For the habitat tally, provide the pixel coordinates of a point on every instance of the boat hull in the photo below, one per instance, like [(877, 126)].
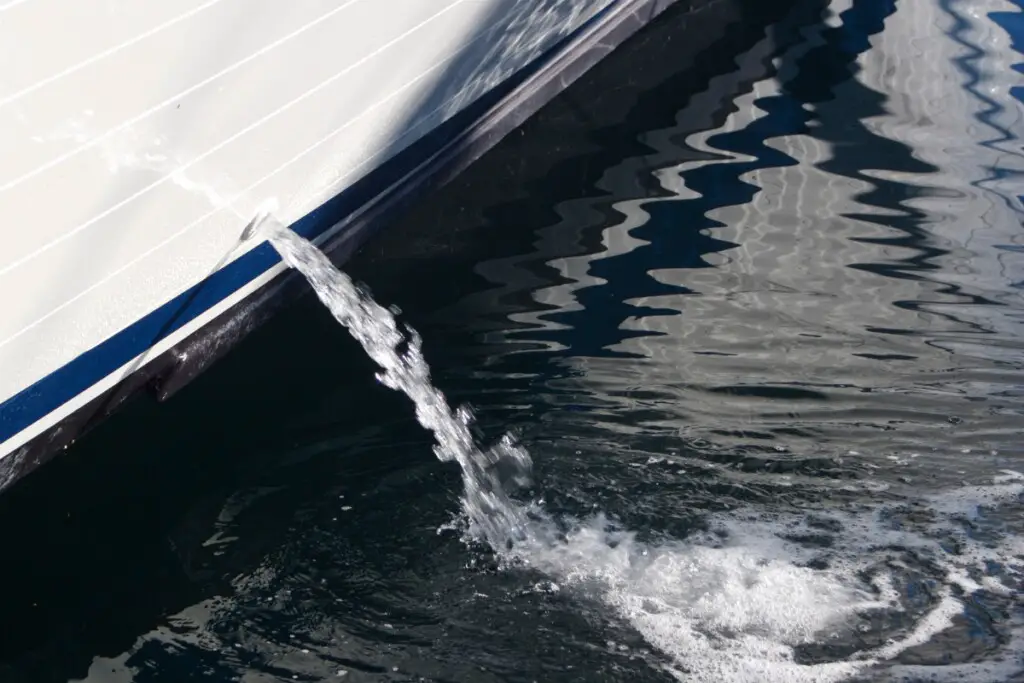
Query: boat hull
[(141, 278)]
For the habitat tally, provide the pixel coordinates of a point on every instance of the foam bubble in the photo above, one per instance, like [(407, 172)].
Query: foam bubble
[(736, 604), (726, 608), (728, 611)]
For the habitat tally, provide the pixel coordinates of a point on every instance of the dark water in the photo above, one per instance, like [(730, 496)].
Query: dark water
[(752, 291)]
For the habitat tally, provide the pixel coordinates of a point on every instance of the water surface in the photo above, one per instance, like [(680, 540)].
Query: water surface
[(750, 294)]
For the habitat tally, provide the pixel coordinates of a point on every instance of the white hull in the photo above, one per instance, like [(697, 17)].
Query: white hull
[(140, 138)]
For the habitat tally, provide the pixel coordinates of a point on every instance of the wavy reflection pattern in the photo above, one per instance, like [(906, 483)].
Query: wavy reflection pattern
[(841, 234)]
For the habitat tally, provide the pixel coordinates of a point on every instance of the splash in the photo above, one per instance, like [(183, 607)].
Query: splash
[(756, 597)]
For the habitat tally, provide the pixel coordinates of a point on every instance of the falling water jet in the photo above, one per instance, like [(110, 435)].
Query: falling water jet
[(492, 515)]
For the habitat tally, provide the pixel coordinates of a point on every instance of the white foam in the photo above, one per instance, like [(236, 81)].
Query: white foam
[(734, 604), (729, 610)]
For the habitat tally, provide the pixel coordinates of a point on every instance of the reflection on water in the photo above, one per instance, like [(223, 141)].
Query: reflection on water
[(761, 284), (847, 246)]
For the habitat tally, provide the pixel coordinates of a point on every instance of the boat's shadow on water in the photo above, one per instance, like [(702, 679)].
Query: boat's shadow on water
[(103, 533)]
